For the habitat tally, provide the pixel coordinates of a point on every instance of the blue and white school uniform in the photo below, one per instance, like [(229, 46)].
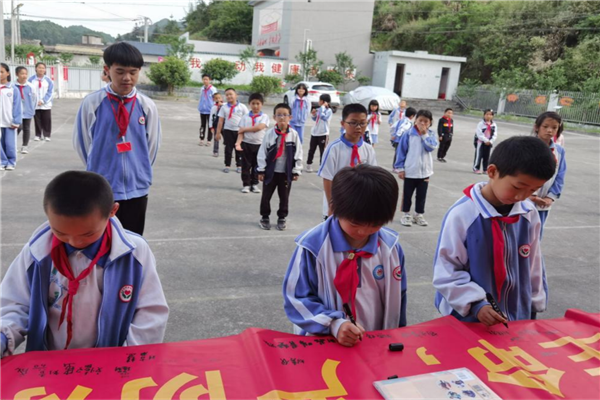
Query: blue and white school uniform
[(311, 300), (374, 120), (396, 115), (11, 114), (463, 267), (413, 155), (28, 99), (206, 99), (338, 155), (300, 112), (553, 187), (44, 91), (96, 135), (321, 118), (399, 128), (33, 291)]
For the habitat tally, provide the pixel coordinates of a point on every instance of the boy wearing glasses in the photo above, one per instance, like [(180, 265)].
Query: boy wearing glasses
[(279, 163), (349, 150)]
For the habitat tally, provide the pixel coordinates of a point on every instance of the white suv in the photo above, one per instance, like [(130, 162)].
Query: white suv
[(315, 90)]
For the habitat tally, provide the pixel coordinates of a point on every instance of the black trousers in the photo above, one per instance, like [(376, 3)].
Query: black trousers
[(43, 123), (482, 156), (395, 146), (317, 141), (283, 187), (132, 214), (204, 126), (230, 137), (410, 185), (444, 146), (249, 164), (26, 128)]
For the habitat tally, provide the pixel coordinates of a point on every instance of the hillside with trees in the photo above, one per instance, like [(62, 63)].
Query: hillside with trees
[(51, 34)]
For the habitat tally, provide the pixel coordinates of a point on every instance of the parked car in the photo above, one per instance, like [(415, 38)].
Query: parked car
[(387, 99), (315, 89)]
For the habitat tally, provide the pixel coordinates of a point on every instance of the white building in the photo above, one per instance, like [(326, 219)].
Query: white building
[(417, 75)]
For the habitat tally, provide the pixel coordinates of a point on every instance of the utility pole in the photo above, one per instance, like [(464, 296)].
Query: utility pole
[(19, 24), (2, 51), (12, 31), (147, 21)]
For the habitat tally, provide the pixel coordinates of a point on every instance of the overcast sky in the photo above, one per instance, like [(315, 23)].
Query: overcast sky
[(109, 16)]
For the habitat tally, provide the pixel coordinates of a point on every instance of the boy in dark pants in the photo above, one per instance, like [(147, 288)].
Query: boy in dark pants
[(29, 102), (445, 131), (279, 163), (230, 116), (250, 136), (319, 135)]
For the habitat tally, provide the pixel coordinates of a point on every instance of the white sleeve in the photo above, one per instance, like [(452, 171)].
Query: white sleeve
[(298, 156), (210, 118), (153, 129), (372, 157), (261, 157), (222, 113), (14, 301), (537, 272), (150, 319), (481, 133), (328, 168)]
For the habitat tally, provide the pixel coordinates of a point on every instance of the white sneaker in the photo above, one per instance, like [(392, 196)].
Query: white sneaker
[(246, 189), (48, 139), (37, 139), (419, 220), (406, 220), (24, 150), (2, 167), (10, 167), (255, 189), (309, 168)]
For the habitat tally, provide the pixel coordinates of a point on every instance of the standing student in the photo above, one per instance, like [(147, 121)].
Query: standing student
[(548, 126), (486, 134), (28, 102), (445, 131), (400, 128), (213, 121), (300, 110), (230, 116), (374, 118), (279, 163), (349, 150), (397, 113), (253, 127), (204, 106), (319, 136), (117, 134), (414, 165), (44, 92), (10, 119)]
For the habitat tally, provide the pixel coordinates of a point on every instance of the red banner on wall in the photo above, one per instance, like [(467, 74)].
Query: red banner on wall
[(550, 359)]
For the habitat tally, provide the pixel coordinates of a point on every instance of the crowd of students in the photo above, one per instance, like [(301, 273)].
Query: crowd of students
[(347, 275)]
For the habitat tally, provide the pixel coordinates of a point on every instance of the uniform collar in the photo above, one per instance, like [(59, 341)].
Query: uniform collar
[(128, 96), (488, 211), (350, 144), (340, 244)]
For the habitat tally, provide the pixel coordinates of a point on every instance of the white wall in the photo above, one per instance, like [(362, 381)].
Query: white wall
[(380, 68), (243, 77)]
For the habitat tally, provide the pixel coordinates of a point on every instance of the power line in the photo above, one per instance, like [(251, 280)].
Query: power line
[(80, 19)]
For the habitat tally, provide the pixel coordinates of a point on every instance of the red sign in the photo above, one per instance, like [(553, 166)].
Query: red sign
[(276, 68), (66, 73), (195, 63), (240, 66), (549, 359), (272, 27)]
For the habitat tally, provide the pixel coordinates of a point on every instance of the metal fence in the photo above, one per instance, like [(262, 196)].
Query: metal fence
[(577, 107), (82, 79)]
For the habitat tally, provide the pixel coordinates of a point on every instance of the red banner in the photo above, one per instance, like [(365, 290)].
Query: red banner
[(550, 359)]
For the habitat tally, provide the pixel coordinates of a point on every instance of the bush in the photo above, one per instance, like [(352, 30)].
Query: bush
[(265, 85), (292, 79), (220, 70), (172, 72), (94, 60), (333, 77), (363, 80)]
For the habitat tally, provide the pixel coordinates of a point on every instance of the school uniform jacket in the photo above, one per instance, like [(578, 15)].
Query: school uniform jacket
[(311, 300), (483, 136), (321, 119), (553, 187), (300, 111), (399, 128), (44, 91), (268, 151), (445, 128), (95, 138), (11, 112), (105, 312), (206, 99), (463, 268), (373, 126), (413, 155), (28, 99), (396, 114)]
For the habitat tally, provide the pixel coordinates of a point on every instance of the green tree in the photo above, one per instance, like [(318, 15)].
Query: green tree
[(309, 62), (344, 65), (266, 85), (220, 70), (66, 58), (250, 57), (225, 21), (22, 50), (172, 73), (94, 60), (363, 80), (292, 78), (177, 47), (333, 77)]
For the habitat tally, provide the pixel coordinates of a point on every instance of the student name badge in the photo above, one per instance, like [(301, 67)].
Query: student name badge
[(123, 147)]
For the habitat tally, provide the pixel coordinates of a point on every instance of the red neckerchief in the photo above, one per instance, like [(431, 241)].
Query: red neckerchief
[(401, 112), (355, 156), (231, 109), (40, 82), (254, 117), (4, 87), (373, 120), (346, 277), (449, 121), (122, 116), (498, 245), (488, 128), (301, 100), (21, 90), (282, 144), (206, 90), (62, 264)]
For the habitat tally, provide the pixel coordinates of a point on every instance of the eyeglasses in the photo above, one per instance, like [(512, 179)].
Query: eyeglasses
[(355, 124), (282, 115)]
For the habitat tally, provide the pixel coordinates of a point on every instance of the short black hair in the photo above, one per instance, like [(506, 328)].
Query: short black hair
[(19, 69), (215, 94), (524, 155), (354, 108), (373, 103), (230, 88), (364, 194), (410, 112), (123, 54), (7, 69), (206, 76), (488, 110), (282, 105), (448, 109), (79, 193), (302, 85), (325, 97), (426, 114), (40, 63), (256, 96), (542, 117)]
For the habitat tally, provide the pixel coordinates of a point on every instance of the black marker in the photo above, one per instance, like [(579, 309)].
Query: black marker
[(494, 305), (348, 312)]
